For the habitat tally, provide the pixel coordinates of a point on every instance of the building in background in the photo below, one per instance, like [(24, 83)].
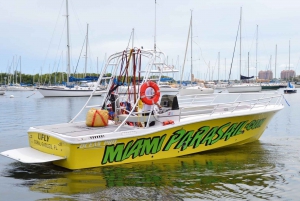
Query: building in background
[(266, 75), (287, 74)]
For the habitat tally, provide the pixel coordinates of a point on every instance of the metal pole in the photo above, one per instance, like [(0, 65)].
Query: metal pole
[(191, 47), (155, 30), (20, 71), (256, 49), (275, 59), (240, 43), (248, 64), (219, 67), (86, 48), (68, 42)]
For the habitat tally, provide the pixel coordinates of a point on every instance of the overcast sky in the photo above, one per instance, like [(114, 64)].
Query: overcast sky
[(35, 30)]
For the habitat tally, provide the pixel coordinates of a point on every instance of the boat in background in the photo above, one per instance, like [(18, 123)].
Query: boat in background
[(199, 88), (127, 133), (18, 87), (71, 90), (290, 89), (2, 90), (83, 89), (243, 88), (190, 90), (270, 86)]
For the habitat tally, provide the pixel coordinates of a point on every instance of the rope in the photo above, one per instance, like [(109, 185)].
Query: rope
[(94, 118), (30, 95), (285, 100)]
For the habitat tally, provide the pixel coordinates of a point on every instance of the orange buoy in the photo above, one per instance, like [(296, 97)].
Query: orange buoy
[(156, 96)]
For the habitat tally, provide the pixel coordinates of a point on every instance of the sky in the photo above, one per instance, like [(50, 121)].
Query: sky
[(34, 32)]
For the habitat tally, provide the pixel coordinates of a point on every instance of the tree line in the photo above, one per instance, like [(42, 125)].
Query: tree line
[(55, 78)]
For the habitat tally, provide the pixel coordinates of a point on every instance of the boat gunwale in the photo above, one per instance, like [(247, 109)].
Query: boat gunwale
[(150, 130)]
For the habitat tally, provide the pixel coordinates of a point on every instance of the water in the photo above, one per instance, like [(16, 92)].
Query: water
[(268, 169)]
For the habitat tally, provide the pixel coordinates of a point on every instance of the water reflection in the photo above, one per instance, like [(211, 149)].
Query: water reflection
[(238, 171)]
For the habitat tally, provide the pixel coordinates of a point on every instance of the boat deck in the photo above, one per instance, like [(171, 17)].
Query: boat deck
[(202, 107), (77, 129)]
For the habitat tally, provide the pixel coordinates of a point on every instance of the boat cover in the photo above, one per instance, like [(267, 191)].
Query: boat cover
[(30, 155)]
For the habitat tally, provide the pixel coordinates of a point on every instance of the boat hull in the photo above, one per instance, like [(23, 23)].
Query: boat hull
[(195, 90), (68, 92), (170, 141), (244, 88), (290, 91), (270, 87)]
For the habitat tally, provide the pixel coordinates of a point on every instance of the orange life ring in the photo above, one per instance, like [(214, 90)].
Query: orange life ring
[(156, 96)]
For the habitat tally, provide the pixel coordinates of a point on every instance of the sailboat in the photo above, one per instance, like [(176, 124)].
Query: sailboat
[(17, 86), (85, 89), (290, 89), (248, 87), (2, 90), (192, 89)]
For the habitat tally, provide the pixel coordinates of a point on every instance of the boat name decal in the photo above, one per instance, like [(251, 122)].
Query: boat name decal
[(180, 139), (43, 144), (96, 144), (43, 137), (42, 140)]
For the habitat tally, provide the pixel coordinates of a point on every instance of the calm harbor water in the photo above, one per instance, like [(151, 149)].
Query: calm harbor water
[(268, 169)]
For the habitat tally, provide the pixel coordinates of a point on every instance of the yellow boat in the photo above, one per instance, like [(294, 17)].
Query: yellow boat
[(199, 170), (185, 125)]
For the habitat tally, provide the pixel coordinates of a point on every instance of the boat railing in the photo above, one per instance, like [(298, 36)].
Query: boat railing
[(213, 107)]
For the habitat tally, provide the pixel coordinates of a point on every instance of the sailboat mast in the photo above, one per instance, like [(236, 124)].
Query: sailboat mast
[(155, 29), (219, 67), (275, 59), (68, 42), (20, 70), (191, 46), (187, 42), (289, 55), (248, 65), (256, 49), (132, 38), (289, 58), (225, 70), (240, 43), (86, 48)]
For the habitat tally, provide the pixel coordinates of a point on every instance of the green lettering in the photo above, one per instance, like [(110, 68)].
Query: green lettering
[(113, 153), (185, 141), (220, 133), (152, 145), (127, 149), (177, 135), (239, 130), (207, 139), (228, 133), (261, 121), (135, 149), (196, 139)]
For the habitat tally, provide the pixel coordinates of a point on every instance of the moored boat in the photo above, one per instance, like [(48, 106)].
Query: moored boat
[(290, 89), (243, 88), (2, 91), (184, 125)]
